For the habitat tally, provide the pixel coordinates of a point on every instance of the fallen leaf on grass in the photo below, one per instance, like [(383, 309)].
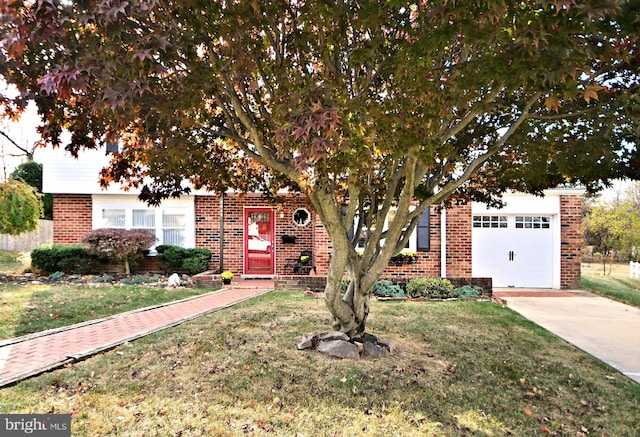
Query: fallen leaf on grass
[(547, 430), (528, 411)]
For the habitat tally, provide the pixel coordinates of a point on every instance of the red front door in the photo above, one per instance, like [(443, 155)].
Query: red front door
[(258, 241)]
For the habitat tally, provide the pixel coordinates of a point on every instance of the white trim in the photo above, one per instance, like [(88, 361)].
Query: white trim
[(443, 243)]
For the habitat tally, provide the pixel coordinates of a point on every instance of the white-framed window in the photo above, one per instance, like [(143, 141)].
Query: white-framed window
[(490, 221), (533, 222), (419, 241), (172, 222)]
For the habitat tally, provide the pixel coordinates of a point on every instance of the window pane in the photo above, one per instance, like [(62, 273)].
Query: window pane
[(113, 218), (144, 218), (423, 243), (173, 220), (173, 236), (173, 228)]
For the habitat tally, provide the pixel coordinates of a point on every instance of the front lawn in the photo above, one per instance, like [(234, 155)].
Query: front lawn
[(34, 307), (10, 261), (461, 368), (612, 282)]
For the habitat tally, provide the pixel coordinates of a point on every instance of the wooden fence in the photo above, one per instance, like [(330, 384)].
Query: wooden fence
[(28, 241)]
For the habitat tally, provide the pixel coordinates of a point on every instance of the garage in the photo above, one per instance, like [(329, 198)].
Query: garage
[(514, 250), (519, 244)]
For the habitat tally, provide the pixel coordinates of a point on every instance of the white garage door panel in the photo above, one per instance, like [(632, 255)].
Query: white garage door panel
[(516, 251)]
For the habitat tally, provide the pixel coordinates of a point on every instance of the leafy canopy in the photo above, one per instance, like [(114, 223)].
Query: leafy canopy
[(343, 92)]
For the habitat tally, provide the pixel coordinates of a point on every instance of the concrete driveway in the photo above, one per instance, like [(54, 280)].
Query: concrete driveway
[(608, 330)]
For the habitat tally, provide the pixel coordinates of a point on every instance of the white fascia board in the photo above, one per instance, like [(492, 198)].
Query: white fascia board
[(519, 203)]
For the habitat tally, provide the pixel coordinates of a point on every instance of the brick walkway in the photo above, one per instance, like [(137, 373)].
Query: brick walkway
[(33, 354)]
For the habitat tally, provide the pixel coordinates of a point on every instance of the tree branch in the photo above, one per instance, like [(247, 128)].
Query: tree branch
[(451, 186)]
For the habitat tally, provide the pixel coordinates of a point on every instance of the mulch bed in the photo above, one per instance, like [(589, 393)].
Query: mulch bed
[(94, 280)]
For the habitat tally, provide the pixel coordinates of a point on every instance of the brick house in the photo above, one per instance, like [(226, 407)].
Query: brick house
[(532, 242)]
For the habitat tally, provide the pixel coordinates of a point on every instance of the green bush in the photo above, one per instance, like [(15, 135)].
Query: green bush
[(469, 292), (385, 288), (67, 259), (436, 288), (179, 259)]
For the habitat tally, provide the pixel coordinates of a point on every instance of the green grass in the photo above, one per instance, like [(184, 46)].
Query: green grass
[(25, 309), (461, 368), (10, 261), (614, 283)]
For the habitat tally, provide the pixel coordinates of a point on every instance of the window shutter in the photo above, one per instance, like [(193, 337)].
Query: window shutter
[(423, 234)]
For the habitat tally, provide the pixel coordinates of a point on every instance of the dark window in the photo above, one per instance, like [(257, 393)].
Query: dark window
[(112, 147), (423, 234)]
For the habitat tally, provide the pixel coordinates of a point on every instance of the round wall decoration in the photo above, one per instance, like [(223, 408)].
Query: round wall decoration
[(301, 216)]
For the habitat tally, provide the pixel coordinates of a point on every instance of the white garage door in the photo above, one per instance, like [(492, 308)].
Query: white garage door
[(514, 250)]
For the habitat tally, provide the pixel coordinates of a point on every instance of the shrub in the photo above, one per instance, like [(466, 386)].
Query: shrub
[(469, 292), (119, 245), (136, 280), (178, 258), (67, 259), (386, 288), (436, 288)]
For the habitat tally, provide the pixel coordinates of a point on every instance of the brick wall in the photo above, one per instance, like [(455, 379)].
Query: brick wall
[(207, 223), (71, 218), (570, 241), (427, 263), (207, 217), (459, 241)]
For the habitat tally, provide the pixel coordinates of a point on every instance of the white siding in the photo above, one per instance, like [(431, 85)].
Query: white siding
[(62, 174)]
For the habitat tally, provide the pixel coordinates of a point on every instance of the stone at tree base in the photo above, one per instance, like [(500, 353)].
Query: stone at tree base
[(333, 335), (388, 344), (372, 350), (339, 349), (308, 341)]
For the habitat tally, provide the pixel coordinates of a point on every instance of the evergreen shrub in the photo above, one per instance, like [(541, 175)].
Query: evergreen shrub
[(180, 259), (435, 288), (67, 259)]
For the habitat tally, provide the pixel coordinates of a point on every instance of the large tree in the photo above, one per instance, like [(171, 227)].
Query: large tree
[(366, 107)]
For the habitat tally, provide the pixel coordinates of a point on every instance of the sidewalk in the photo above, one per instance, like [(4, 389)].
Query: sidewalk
[(33, 354), (606, 329)]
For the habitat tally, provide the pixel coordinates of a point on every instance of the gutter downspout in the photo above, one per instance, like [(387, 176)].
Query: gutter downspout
[(443, 243), (221, 215)]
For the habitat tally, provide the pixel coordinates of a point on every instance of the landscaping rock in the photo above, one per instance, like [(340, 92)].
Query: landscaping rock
[(372, 350), (339, 349), (308, 341), (389, 345), (333, 335), (174, 281), (337, 344)]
